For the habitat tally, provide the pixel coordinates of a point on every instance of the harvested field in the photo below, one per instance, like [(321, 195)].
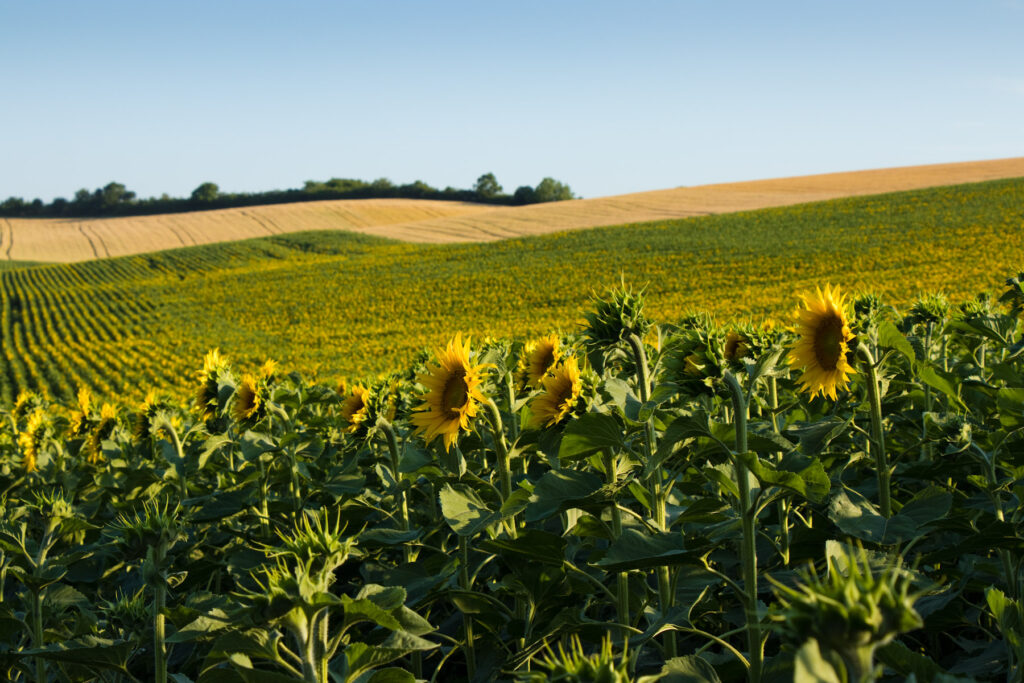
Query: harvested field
[(69, 240)]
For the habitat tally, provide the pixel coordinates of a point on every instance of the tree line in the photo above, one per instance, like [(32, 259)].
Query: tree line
[(114, 199)]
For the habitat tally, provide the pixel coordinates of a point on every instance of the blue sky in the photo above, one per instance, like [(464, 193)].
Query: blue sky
[(610, 97)]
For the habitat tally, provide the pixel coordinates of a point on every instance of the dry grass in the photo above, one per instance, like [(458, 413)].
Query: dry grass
[(436, 221)]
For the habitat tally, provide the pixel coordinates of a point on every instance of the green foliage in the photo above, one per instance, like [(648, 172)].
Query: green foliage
[(282, 545)]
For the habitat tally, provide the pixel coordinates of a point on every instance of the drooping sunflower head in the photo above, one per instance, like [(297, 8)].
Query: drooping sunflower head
[(453, 394), (737, 346), (354, 409), (824, 343), (540, 355), (250, 399), (562, 387)]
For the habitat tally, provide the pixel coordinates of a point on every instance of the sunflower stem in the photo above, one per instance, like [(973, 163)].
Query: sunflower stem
[(654, 484), (159, 600), (621, 579), (877, 437), (747, 514), (403, 502), (467, 620), (264, 487), (783, 505), (925, 447), (37, 632), (504, 469)]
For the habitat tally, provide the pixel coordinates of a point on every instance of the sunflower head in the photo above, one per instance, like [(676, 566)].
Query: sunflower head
[(25, 403), (453, 394), (562, 388), (251, 395), (694, 359), (824, 344), (354, 410), (143, 424), (207, 398), (539, 356), (737, 346), (575, 664), (615, 318), (931, 309), (858, 607), (101, 431), (32, 438), (269, 369)]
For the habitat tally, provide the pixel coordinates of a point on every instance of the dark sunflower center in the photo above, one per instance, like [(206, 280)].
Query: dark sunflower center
[(828, 342), (456, 392)]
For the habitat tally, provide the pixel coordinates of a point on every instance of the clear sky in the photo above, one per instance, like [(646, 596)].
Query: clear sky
[(609, 97)]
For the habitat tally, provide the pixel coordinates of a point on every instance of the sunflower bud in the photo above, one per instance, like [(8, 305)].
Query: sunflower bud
[(616, 318), (851, 612)]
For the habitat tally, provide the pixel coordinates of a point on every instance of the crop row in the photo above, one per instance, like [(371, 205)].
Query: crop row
[(632, 502), (336, 305)]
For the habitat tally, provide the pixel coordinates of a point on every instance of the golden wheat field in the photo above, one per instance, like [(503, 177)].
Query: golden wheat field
[(414, 220)]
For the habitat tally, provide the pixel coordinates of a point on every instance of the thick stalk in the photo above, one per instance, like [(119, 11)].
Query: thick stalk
[(621, 579), (654, 484), (467, 620), (264, 511), (403, 501), (748, 554), (37, 632), (925, 448), (159, 600), (322, 646), (783, 504), (403, 523), (504, 473), (504, 468), (877, 436), (514, 426)]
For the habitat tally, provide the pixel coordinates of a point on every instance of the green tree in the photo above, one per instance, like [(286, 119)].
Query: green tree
[(551, 190), (113, 194), (487, 186), (207, 192), (524, 195)]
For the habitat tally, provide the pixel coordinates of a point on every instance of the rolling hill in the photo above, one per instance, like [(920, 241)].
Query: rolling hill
[(72, 240), (335, 303)]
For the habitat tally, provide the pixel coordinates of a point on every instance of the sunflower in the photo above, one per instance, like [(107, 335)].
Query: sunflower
[(269, 369), (353, 408), (207, 399), (541, 355), (823, 345), (248, 399), (561, 392), (31, 440), (104, 428), (735, 346), (452, 394), (142, 428)]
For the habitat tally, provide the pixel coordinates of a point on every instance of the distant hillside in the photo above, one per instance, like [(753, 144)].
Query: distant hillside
[(68, 240), (344, 304)]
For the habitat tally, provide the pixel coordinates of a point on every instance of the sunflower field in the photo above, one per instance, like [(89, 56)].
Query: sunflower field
[(332, 304), (833, 499)]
